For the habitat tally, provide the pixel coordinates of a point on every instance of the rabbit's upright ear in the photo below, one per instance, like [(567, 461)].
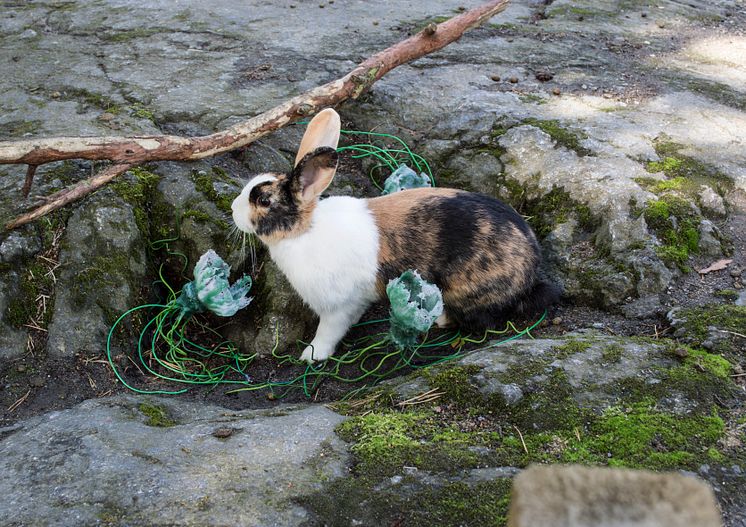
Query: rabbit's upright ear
[(314, 172), (323, 130)]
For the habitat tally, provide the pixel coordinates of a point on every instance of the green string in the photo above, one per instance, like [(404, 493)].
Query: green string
[(173, 357)]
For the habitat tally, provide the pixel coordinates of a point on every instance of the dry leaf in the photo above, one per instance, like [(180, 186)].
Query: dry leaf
[(717, 266)]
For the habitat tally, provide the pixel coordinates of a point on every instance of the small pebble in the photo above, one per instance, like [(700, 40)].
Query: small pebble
[(736, 271), (21, 368), (513, 80), (584, 86), (375, 22), (222, 433), (681, 352), (661, 24), (644, 15), (495, 78), (106, 117), (556, 321), (56, 95), (556, 91), (544, 76)]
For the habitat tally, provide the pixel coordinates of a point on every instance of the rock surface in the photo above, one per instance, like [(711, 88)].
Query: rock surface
[(102, 267), (138, 461)]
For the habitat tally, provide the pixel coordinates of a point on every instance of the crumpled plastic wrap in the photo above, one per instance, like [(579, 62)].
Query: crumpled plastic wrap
[(404, 178), (211, 291), (415, 304)]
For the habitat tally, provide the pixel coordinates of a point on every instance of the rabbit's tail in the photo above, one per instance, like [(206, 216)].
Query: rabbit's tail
[(532, 302)]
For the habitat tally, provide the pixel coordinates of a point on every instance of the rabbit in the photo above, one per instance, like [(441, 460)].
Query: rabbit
[(339, 253)]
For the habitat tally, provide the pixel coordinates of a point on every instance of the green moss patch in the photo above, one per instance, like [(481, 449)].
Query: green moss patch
[(137, 192), (352, 501), (675, 222), (34, 282), (386, 441), (571, 347), (92, 99), (204, 182), (724, 317), (612, 353), (141, 111), (454, 383), (156, 415), (640, 436), (67, 172), (710, 362), (456, 504), (20, 128), (684, 175), (37, 278), (563, 136), (131, 34), (203, 217), (551, 209)]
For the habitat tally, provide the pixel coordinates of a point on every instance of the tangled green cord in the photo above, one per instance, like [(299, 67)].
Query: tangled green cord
[(390, 158), (168, 354), (165, 352)]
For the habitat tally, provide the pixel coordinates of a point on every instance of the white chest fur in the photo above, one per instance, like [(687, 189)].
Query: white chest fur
[(333, 265)]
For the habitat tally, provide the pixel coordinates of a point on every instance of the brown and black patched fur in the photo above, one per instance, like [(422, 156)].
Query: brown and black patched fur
[(476, 249)]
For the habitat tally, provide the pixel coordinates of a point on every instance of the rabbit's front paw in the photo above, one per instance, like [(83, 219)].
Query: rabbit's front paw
[(315, 354)]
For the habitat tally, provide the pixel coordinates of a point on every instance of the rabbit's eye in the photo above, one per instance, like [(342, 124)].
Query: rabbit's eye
[(264, 201)]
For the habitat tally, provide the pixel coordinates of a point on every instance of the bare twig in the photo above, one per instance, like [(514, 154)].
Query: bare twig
[(520, 435), (29, 179), (19, 402), (129, 151), (70, 194), (426, 397)]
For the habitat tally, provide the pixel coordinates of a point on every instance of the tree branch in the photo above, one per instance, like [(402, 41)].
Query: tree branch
[(130, 151), (70, 194)]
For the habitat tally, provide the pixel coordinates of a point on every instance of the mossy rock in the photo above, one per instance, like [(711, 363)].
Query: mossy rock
[(675, 221), (587, 399), (715, 327), (563, 136), (103, 274)]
